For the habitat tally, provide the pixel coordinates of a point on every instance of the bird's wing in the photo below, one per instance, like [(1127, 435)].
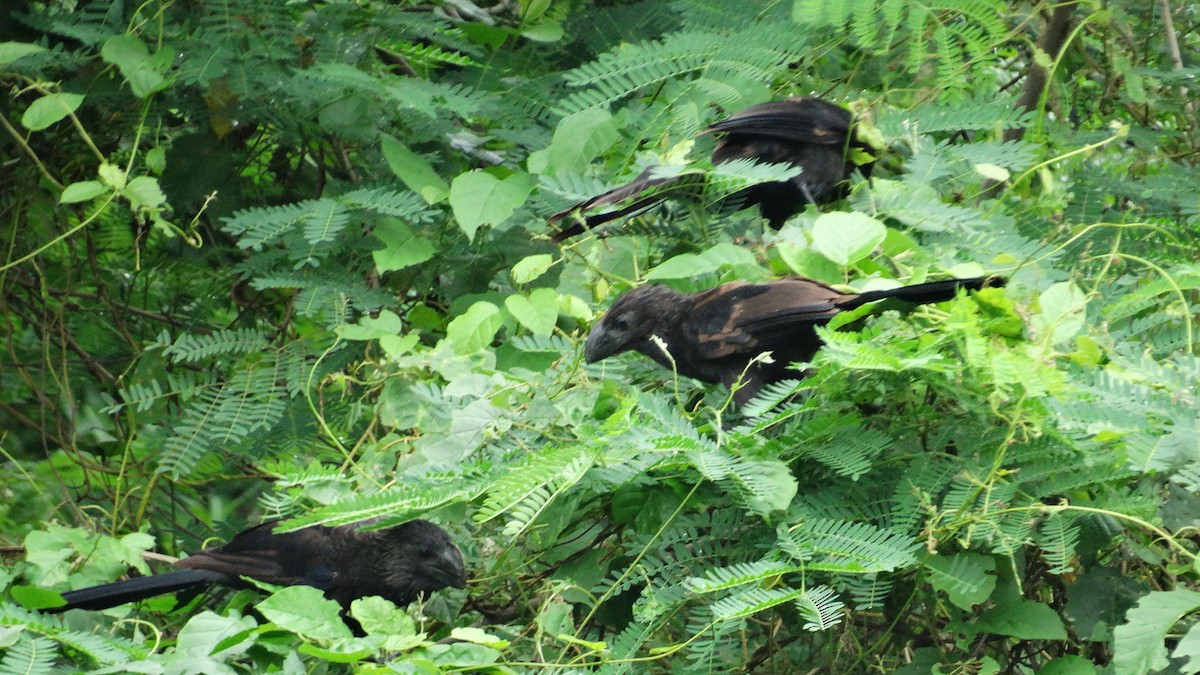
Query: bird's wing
[(798, 120), (288, 559), (746, 319)]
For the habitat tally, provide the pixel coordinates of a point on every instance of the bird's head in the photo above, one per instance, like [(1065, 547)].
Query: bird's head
[(434, 561), (631, 320)]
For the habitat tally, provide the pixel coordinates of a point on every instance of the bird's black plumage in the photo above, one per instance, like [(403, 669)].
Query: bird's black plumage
[(397, 563), (713, 335), (809, 133)]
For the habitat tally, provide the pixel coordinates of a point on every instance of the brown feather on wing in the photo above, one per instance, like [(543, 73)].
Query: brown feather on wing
[(759, 317)]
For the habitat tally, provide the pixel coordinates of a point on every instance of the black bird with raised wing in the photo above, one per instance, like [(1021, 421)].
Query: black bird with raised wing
[(809, 133), (397, 563), (714, 335)]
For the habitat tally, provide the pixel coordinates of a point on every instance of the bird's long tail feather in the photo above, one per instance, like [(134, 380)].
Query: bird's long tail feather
[(139, 588), (934, 291)]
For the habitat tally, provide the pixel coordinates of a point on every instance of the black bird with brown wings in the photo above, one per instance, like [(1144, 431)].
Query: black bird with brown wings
[(809, 133), (397, 563), (713, 335)]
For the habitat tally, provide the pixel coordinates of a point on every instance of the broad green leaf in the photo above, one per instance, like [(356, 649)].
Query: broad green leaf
[(992, 171), (396, 346), (1189, 647), (682, 266), (11, 51), (414, 171), (82, 191), (1068, 665), (1023, 619), (343, 651), (478, 198), (531, 267), (144, 192), (773, 487), (140, 69), (111, 174), (1138, 644), (305, 610), (198, 641), (380, 618), (479, 637), (578, 139), (49, 109), (543, 31), (36, 597), (966, 578), (402, 246), (371, 328), (575, 307), (475, 328), (846, 238), (538, 312), (1063, 312), (691, 265), (532, 10)]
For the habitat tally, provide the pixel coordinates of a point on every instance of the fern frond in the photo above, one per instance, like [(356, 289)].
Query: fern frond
[(726, 578), (847, 547), (524, 491), (820, 608), (1057, 538), (29, 656)]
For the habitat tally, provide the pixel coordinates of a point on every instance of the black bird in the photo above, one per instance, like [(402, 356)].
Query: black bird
[(713, 335), (397, 563), (809, 133)]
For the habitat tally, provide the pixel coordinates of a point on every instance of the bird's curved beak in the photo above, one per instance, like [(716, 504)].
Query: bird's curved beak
[(458, 569), (450, 569), (600, 345)]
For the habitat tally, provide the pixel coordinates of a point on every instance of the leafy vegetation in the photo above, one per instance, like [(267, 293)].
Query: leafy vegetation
[(290, 260)]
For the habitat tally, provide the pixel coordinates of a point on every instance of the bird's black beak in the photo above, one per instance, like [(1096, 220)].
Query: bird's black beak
[(600, 345), (453, 569)]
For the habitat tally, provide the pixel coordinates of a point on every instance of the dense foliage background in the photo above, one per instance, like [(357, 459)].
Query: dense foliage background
[(266, 259)]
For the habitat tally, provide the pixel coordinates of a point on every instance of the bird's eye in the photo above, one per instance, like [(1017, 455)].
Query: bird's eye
[(425, 552), (620, 322)]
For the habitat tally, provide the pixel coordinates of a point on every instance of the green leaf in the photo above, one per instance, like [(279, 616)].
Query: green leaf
[(82, 191), (966, 578), (305, 610), (538, 312), (11, 51), (111, 174), (992, 171), (473, 330), (414, 171), (531, 267), (1188, 648), (36, 597), (846, 238), (479, 637), (691, 265), (1068, 665), (1138, 644), (381, 618), (478, 198), (49, 109), (1023, 619), (774, 486), (140, 69), (544, 31), (144, 192), (1063, 312), (402, 246), (575, 307), (578, 139), (371, 328)]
